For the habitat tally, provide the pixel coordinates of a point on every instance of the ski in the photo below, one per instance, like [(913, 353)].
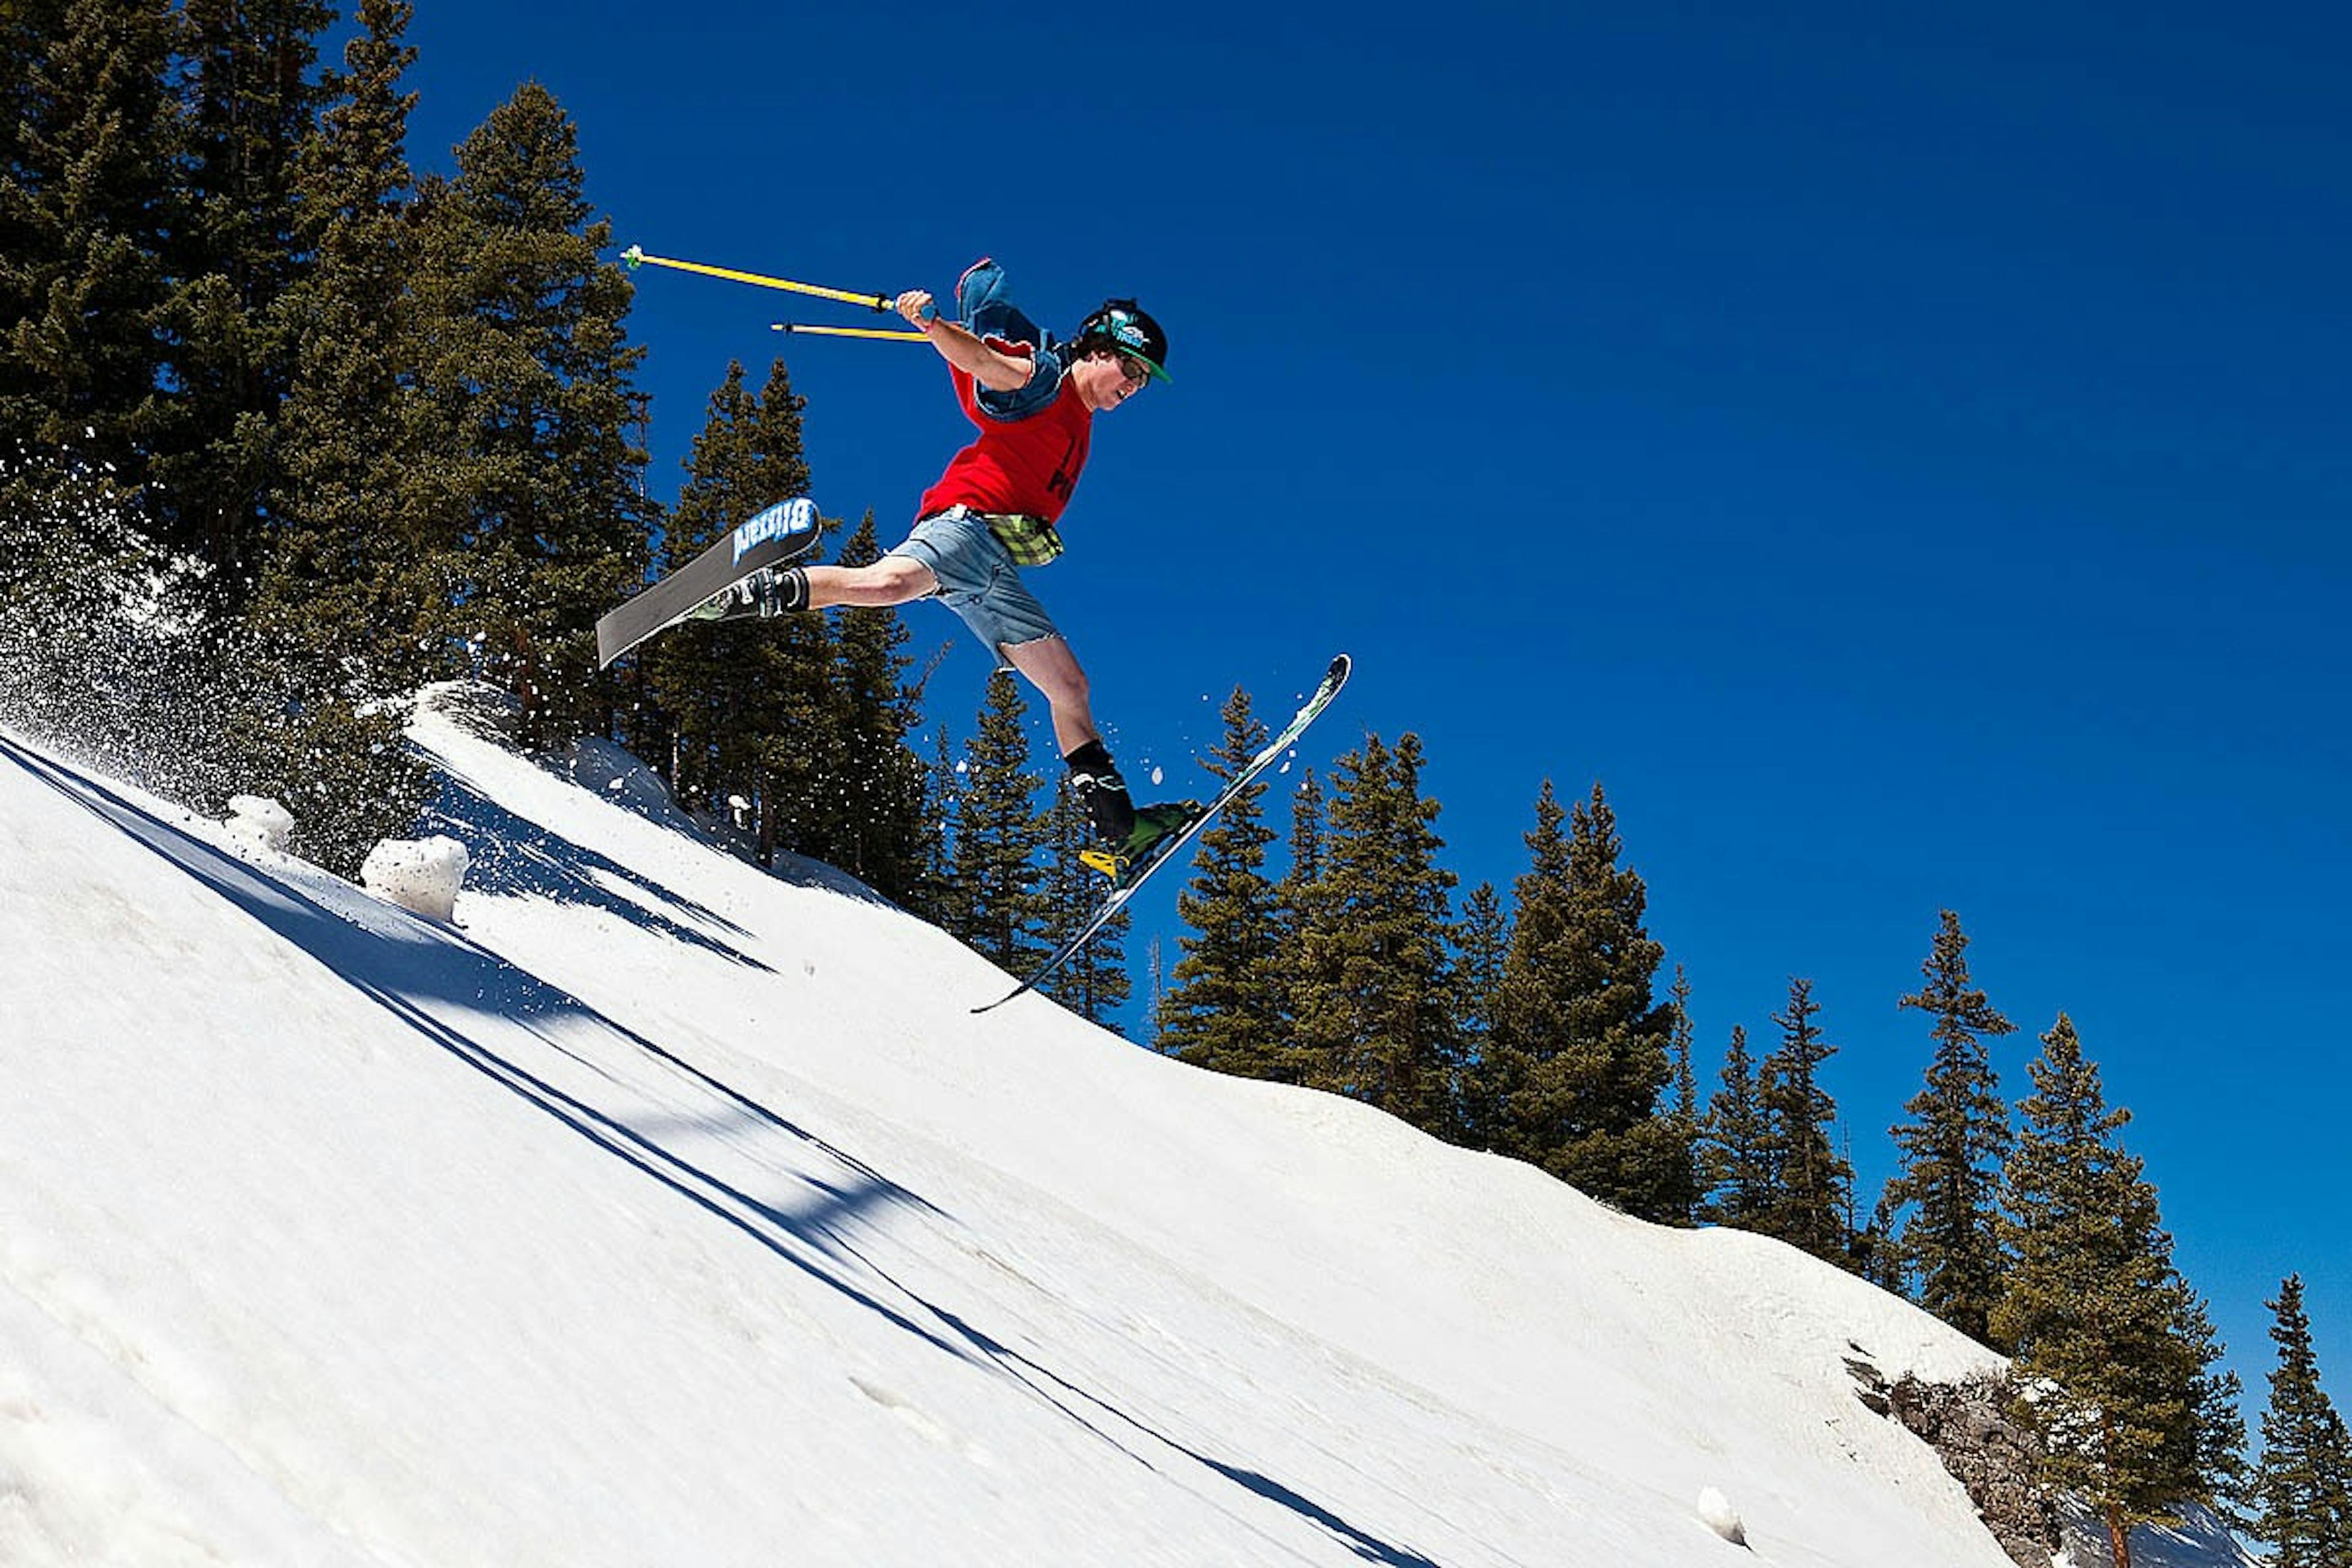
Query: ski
[(782, 534), (1165, 850)]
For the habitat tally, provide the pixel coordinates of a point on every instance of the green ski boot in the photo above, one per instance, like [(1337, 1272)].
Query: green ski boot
[(1154, 826)]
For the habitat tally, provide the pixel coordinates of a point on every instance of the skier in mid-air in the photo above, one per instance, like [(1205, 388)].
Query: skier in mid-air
[(993, 512)]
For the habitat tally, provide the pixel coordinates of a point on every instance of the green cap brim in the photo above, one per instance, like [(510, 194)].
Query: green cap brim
[(1105, 341)]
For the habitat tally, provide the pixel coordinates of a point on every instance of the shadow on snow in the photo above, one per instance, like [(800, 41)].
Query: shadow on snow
[(418, 971)]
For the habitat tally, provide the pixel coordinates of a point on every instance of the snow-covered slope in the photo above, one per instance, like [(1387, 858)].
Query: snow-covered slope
[(667, 1212)]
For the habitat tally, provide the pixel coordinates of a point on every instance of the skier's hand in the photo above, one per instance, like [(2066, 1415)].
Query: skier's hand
[(997, 371)]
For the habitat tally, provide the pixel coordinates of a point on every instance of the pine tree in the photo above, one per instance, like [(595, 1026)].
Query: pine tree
[(879, 833), (749, 704), (1679, 1052), (1953, 1146), (1305, 848), (1155, 964), (1094, 982), (1877, 1253), (1226, 1010), (941, 901), (331, 632), (1579, 1044), (87, 210), (238, 254), (2303, 1484), (2225, 1480), (2110, 1344), (1736, 1166), (1685, 1103), (998, 834), (538, 523), (1294, 897), (30, 30), (1811, 1182), (331, 584), (108, 211), (27, 28), (1370, 1004), (1484, 944)]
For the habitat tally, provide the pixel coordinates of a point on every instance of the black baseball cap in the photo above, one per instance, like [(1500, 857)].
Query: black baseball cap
[(1124, 325)]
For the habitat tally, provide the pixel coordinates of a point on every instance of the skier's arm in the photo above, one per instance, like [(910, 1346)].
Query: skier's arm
[(994, 370)]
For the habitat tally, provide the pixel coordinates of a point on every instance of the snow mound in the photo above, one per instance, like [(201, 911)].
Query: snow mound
[(260, 821), (421, 876), (1715, 1512)]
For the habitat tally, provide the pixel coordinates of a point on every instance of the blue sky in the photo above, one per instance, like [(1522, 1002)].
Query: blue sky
[(1902, 457)]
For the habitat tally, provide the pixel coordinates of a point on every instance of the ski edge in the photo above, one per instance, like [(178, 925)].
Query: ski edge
[(1325, 692)]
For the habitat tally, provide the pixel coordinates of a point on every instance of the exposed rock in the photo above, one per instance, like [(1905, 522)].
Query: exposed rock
[(1993, 1455)]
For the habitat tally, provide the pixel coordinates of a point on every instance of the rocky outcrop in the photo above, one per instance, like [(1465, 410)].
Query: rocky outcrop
[(1988, 1450)]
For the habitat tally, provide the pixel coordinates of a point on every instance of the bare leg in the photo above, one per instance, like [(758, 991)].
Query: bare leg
[(893, 579), (1052, 669), (1048, 662)]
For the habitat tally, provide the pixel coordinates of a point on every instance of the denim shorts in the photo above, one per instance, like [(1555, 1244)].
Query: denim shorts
[(978, 579)]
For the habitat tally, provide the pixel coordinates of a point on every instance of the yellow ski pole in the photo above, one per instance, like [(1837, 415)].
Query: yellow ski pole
[(899, 336), (635, 257)]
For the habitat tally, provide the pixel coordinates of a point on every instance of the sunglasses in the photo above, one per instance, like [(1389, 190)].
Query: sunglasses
[(1133, 369)]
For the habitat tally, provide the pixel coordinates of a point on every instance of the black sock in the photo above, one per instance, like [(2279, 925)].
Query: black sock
[(1096, 779)]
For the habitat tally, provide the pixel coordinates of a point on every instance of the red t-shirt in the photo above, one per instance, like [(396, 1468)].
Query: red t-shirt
[(1023, 466)]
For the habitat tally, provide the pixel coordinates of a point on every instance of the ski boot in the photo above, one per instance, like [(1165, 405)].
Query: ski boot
[(1125, 834), (768, 592), (1154, 826), (1095, 781)]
